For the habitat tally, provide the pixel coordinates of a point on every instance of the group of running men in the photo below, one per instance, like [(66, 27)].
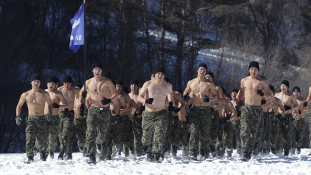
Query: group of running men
[(155, 120)]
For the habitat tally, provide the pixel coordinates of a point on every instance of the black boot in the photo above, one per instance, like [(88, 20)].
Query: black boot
[(42, 156), (51, 154), (256, 151), (246, 157), (84, 152), (157, 158), (99, 148), (174, 151), (286, 152), (206, 155), (30, 160), (273, 150), (69, 156), (92, 159), (193, 158), (61, 155), (298, 150), (144, 149), (149, 157), (213, 150), (81, 149)]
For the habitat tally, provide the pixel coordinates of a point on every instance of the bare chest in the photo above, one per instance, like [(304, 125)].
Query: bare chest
[(157, 91), (54, 97), (36, 97), (199, 87), (253, 85), (284, 98), (69, 95)]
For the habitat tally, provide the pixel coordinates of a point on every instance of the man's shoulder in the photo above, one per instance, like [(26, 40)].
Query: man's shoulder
[(26, 93), (301, 99), (43, 91)]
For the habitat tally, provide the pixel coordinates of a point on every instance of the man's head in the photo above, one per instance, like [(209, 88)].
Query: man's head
[(209, 75), (159, 73), (119, 85), (271, 88), (202, 68), (284, 86), (134, 85), (35, 81), (97, 69), (234, 92), (296, 91), (67, 80), (51, 82), (253, 68)]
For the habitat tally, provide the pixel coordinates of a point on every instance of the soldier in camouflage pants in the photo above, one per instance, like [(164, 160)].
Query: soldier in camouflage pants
[(266, 137), (199, 128), (98, 123), (80, 130), (137, 132), (214, 131), (236, 127), (154, 126), (184, 136), (115, 136), (286, 131), (298, 132), (168, 132), (274, 134), (224, 140), (175, 135), (251, 117), (127, 135), (35, 129), (52, 129), (66, 129)]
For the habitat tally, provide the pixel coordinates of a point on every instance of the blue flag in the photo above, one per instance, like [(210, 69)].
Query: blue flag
[(77, 33)]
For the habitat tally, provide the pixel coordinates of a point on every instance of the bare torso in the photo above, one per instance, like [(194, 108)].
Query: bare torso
[(200, 89), (78, 102), (134, 98), (36, 102), (69, 96), (55, 98), (250, 86)]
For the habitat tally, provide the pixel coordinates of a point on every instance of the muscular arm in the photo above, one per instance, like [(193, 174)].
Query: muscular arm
[(170, 95), (142, 92), (112, 89), (280, 106), (188, 89), (63, 100), (240, 94), (294, 101), (213, 92), (309, 95), (21, 101), (267, 91)]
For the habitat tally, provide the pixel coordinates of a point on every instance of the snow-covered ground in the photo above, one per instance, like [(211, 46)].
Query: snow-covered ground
[(294, 164)]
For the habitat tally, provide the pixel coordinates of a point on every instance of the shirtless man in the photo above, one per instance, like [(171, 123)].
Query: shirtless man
[(224, 141), (155, 117), (183, 125), (137, 117), (275, 113), (254, 89), (216, 106), (298, 115), (179, 104), (66, 115), (236, 121), (200, 113), (52, 127), (80, 123), (127, 131), (36, 121), (290, 104), (100, 91)]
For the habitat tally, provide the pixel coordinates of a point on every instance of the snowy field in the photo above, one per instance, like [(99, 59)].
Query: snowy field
[(294, 164)]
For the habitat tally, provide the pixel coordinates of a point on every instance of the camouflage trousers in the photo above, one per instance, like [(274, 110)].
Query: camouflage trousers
[(98, 123), (127, 135), (224, 139), (298, 133), (266, 132), (286, 131), (154, 125), (251, 117), (168, 131), (275, 125), (184, 136), (199, 128), (175, 134), (52, 130), (66, 130), (35, 129), (260, 132), (80, 128), (115, 136), (236, 126), (137, 132), (214, 130)]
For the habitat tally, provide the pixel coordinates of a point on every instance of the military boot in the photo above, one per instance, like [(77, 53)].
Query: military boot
[(51, 154), (42, 156), (61, 155)]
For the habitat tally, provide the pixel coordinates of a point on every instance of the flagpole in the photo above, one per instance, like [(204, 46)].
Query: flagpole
[(85, 63)]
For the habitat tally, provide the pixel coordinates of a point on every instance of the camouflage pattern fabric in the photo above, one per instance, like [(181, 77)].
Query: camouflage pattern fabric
[(98, 123), (114, 136), (199, 128), (251, 117), (66, 129), (275, 125), (175, 133), (224, 139), (52, 129), (80, 128), (286, 130), (298, 132), (260, 132), (184, 136), (154, 126), (127, 135), (168, 131), (35, 129), (266, 136), (236, 131), (214, 130), (137, 132)]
